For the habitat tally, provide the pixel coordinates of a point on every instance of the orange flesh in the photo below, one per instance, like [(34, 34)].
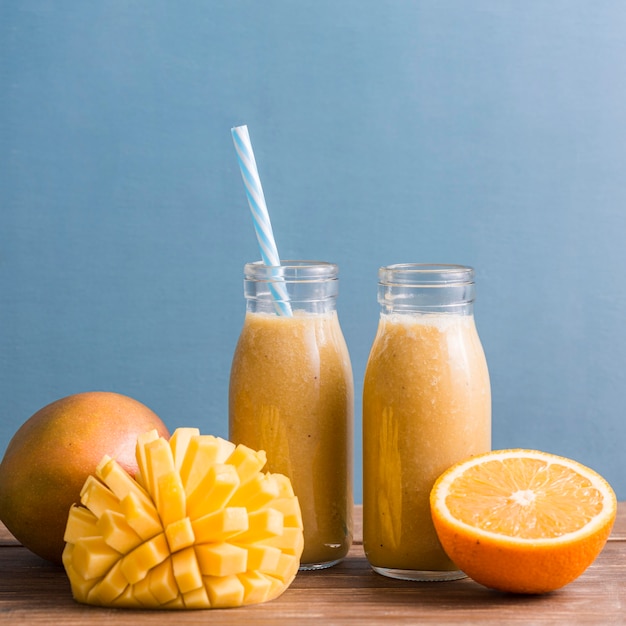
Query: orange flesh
[(524, 498)]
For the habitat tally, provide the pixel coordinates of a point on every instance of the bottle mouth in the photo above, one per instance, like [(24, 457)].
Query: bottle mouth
[(426, 287), (426, 275), (292, 271), (306, 285)]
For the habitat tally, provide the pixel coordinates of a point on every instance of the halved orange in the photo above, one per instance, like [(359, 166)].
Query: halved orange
[(522, 521)]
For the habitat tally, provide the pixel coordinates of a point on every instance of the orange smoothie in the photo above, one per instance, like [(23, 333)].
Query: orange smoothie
[(291, 394), (426, 405)]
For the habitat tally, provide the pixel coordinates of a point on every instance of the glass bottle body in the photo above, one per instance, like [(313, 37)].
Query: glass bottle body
[(291, 394), (426, 405)]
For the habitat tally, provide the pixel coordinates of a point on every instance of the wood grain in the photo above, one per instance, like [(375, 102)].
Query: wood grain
[(33, 591)]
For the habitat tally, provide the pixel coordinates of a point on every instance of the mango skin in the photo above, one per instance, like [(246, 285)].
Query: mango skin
[(51, 455)]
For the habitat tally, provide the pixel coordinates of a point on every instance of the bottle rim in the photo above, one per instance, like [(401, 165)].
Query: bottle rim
[(426, 274), (292, 271)]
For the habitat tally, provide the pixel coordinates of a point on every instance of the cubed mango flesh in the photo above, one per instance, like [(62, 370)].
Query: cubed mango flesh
[(199, 526)]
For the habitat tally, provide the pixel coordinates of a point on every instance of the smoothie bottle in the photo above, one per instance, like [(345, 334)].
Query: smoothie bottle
[(426, 405), (291, 394)]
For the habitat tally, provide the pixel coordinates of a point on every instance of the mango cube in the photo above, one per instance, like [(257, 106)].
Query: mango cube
[(117, 532), (82, 523), (221, 559), (199, 526)]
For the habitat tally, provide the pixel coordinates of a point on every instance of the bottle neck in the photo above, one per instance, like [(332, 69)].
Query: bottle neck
[(414, 288), (294, 286)]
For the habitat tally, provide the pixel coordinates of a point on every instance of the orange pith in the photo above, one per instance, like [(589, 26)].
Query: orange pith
[(521, 520)]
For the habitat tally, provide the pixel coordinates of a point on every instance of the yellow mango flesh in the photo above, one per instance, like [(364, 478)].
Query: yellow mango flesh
[(221, 559), (202, 451), (93, 557), (141, 517), (137, 564), (200, 526), (82, 523), (220, 525), (117, 532), (186, 570), (180, 534)]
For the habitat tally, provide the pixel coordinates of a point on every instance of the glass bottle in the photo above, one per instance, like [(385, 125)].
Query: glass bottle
[(291, 394), (426, 405)]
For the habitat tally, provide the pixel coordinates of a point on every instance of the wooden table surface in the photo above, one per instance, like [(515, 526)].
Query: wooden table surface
[(33, 591)]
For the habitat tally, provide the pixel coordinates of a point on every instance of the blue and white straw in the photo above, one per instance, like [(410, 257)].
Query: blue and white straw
[(260, 215)]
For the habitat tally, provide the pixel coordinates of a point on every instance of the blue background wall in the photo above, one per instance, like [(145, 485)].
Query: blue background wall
[(490, 133)]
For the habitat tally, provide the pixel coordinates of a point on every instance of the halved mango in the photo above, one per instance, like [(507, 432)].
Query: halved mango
[(199, 526)]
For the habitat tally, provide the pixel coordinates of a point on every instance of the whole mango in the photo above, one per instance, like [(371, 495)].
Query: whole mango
[(51, 455)]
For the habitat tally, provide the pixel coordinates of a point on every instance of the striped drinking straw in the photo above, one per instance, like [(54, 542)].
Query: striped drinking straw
[(260, 215)]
